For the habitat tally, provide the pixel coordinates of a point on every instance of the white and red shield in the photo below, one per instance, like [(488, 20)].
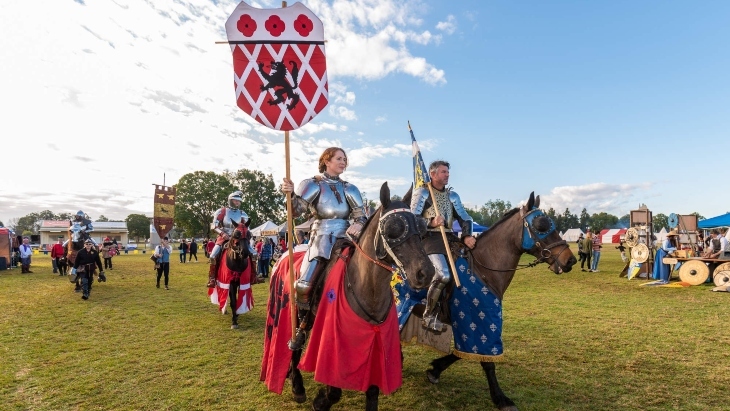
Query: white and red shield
[(279, 64)]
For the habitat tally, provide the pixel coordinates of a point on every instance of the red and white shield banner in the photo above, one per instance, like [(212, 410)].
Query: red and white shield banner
[(279, 64)]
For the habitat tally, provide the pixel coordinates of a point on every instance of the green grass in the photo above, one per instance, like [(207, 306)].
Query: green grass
[(578, 341)]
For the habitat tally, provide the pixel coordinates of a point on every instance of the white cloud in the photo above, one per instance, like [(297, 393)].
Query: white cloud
[(342, 112), (381, 119), (615, 199), (448, 26)]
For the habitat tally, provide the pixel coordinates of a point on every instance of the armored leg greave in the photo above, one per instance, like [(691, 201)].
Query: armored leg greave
[(310, 272), (440, 279), (216, 250)]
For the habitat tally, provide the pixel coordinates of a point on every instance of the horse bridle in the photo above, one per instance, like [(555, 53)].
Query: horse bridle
[(533, 238), (405, 214)]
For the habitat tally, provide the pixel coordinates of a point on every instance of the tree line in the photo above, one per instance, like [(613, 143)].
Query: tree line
[(201, 193)]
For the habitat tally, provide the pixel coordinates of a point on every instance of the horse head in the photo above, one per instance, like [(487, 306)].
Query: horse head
[(396, 237), (541, 239), (237, 247)]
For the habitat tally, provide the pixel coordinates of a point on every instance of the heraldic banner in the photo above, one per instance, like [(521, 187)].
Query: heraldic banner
[(164, 209), (280, 70)]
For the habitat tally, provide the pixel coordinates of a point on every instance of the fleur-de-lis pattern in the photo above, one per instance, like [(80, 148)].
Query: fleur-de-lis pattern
[(479, 320)]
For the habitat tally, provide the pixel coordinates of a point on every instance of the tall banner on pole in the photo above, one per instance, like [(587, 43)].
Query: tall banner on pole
[(164, 213), (280, 77), (280, 71)]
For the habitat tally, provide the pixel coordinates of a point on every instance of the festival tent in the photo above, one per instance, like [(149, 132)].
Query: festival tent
[(714, 222), (266, 229), (478, 228), (612, 235), (572, 234), (6, 245), (305, 226)]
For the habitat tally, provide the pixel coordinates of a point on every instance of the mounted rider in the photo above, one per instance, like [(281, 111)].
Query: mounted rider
[(225, 220), (332, 202), (450, 208), (82, 225)]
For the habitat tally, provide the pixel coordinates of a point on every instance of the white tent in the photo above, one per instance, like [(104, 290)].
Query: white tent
[(267, 227), (660, 236), (572, 234)]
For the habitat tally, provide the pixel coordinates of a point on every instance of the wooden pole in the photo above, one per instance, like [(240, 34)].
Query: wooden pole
[(289, 225), (446, 241)]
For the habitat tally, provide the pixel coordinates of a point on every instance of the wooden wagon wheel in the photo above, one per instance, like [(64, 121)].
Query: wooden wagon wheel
[(640, 253), (721, 276), (632, 237), (694, 272)]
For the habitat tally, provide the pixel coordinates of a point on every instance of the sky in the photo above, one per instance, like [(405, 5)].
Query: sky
[(602, 105)]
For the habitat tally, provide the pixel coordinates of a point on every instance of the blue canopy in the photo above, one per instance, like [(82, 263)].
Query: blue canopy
[(478, 228), (714, 222)]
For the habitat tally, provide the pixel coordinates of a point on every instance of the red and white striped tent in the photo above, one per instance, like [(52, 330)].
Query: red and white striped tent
[(612, 235)]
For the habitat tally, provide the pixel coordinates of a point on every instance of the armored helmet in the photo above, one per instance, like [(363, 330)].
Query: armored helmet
[(236, 195), (79, 215)]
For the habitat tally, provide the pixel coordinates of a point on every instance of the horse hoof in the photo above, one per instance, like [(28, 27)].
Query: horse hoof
[(234, 326), (299, 398), (431, 378)]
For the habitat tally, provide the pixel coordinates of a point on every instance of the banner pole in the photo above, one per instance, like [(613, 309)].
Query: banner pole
[(446, 241)]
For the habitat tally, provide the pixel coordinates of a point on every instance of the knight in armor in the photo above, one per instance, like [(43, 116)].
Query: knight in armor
[(450, 208), (82, 224), (225, 220), (332, 202)]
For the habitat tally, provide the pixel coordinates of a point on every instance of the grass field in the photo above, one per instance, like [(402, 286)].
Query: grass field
[(578, 341)]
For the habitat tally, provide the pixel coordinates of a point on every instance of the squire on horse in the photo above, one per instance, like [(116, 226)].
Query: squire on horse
[(356, 292), (494, 260), (232, 271)]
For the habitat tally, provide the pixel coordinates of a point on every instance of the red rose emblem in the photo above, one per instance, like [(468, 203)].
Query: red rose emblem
[(275, 25), (303, 25), (246, 25)]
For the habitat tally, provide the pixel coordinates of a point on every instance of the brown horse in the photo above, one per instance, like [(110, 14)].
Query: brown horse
[(494, 260), (391, 236)]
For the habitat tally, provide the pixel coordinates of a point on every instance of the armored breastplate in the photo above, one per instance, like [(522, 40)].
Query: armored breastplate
[(441, 200), (332, 202), (232, 216)]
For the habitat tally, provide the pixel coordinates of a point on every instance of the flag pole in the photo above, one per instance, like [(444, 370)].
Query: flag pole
[(443, 236), (289, 221)]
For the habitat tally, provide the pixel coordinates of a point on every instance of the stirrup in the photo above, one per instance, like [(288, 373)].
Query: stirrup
[(296, 343), (431, 322), (211, 282)]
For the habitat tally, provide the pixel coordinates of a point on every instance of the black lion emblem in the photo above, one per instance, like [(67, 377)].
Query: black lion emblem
[(276, 79)]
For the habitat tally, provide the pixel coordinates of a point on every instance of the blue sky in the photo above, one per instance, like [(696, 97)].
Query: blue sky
[(603, 105)]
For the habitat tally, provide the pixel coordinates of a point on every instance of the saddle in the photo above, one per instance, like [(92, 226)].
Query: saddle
[(317, 288)]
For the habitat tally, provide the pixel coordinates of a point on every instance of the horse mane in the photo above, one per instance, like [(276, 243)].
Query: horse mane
[(504, 218)]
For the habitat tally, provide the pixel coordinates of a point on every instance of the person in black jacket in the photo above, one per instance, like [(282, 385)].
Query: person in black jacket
[(85, 265)]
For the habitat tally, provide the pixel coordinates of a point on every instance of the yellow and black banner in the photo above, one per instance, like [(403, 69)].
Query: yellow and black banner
[(164, 209)]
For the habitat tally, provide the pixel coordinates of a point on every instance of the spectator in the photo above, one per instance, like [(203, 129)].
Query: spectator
[(267, 250), (193, 251), (587, 246), (282, 244), (25, 253), (162, 252), (56, 255), (183, 247), (581, 251), (622, 249), (106, 253), (301, 239), (596, 247)]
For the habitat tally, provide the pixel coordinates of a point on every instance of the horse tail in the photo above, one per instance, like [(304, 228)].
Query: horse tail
[(294, 73)]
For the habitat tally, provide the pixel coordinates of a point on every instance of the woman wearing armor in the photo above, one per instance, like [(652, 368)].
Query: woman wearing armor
[(333, 202)]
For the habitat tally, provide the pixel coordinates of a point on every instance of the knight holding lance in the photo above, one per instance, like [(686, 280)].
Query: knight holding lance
[(333, 202), (225, 220), (449, 208)]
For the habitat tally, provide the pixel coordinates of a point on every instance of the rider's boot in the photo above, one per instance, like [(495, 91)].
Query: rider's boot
[(303, 298), (300, 337), (430, 314)]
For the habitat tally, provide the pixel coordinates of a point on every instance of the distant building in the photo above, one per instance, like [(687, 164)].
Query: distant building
[(116, 230)]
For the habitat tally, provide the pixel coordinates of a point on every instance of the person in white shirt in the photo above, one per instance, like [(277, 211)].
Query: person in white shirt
[(25, 253)]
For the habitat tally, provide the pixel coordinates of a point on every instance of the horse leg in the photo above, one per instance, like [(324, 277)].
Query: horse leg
[(500, 400), (440, 365), (297, 382), (233, 297), (371, 398), (326, 398)]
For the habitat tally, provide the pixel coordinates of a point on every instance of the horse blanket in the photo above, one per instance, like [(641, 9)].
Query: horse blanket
[(476, 314), (219, 294), (343, 351)]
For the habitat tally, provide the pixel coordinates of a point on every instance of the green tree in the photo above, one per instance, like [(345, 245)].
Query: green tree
[(138, 226), (602, 220), (624, 221), (199, 195), (585, 219), (102, 219), (568, 221), (28, 223), (493, 210), (660, 221), (262, 200), (475, 214)]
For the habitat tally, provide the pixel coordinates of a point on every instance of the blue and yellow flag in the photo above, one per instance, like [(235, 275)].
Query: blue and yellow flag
[(420, 172)]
